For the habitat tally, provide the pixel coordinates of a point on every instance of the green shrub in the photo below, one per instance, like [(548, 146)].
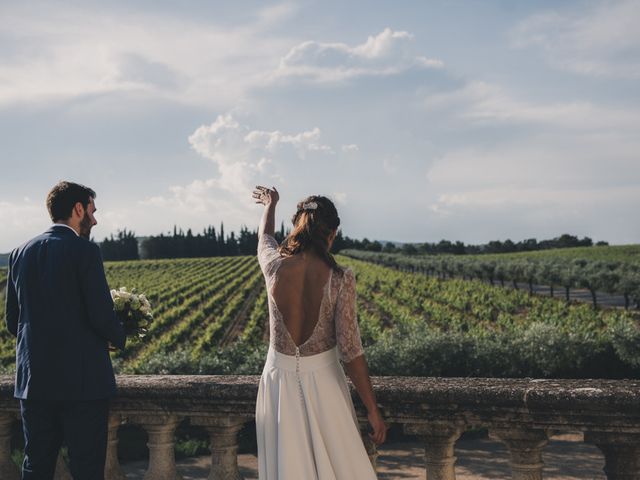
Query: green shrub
[(546, 350), (178, 362), (538, 350), (625, 339), (239, 358)]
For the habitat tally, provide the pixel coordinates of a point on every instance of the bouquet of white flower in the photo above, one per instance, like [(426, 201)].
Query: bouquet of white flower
[(133, 310)]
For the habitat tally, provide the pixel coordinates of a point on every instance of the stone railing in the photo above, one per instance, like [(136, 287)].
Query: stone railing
[(521, 413)]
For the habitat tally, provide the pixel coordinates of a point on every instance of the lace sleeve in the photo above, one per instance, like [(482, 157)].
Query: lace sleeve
[(347, 330), (268, 254)]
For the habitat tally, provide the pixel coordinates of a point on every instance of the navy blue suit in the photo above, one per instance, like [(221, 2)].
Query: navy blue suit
[(59, 307)]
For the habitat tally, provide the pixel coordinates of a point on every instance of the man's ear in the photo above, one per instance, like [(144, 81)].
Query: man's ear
[(78, 209)]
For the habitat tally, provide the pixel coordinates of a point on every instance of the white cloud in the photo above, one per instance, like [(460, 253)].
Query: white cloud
[(271, 141), (552, 180), (502, 212), (201, 203), (64, 53), (244, 157), (566, 167), (388, 53), (603, 40), (544, 160), (482, 103)]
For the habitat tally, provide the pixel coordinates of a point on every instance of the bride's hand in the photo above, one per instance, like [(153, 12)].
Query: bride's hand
[(379, 434), (266, 196)]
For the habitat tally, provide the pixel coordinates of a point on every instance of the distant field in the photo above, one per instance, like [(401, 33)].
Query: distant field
[(622, 253), (613, 270)]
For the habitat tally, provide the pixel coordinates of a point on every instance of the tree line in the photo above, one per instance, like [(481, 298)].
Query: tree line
[(212, 243), (180, 244), (460, 248), (208, 243)]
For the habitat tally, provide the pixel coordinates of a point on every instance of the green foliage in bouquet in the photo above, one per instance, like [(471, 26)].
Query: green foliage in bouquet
[(133, 310)]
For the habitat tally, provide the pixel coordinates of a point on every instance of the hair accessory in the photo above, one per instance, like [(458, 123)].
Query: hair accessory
[(309, 206)]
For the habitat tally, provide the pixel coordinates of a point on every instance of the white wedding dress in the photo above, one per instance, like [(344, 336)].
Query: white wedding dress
[(305, 421)]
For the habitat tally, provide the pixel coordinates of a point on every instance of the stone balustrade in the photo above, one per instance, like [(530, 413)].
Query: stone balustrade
[(521, 413)]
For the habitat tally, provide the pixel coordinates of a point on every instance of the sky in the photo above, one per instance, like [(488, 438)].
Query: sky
[(423, 120)]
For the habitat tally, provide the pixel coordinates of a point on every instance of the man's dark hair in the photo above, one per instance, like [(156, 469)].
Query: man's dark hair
[(63, 197)]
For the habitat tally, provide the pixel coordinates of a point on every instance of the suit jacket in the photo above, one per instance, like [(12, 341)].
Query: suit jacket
[(60, 309)]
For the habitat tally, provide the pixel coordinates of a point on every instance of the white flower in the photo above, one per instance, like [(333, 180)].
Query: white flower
[(137, 308), (309, 206)]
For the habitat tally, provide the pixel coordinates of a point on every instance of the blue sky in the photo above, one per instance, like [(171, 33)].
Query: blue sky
[(463, 120)]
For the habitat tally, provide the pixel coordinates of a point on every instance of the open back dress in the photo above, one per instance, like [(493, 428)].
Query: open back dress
[(306, 424)]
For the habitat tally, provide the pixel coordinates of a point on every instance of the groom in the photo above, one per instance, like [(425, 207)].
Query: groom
[(59, 307)]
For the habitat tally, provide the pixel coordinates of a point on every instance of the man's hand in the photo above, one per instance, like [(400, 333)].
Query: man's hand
[(266, 196)]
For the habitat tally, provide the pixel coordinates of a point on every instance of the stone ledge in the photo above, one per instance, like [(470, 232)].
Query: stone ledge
[(603, 405)]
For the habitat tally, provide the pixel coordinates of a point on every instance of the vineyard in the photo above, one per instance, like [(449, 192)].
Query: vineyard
[(211, 317), (610, 270)]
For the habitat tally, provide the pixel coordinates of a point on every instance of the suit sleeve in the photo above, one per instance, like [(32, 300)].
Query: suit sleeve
[(11, 303), (98, 300)]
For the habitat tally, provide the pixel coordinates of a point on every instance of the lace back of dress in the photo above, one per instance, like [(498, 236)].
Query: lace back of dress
[(337, 322)]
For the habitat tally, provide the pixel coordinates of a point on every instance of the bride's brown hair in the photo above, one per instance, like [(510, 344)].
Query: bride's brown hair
[(312, 228)]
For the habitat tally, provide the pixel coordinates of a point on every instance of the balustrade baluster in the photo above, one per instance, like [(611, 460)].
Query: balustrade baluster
[(162, 460), (525, 446), (439, 439), (224, 445), (621, 453)]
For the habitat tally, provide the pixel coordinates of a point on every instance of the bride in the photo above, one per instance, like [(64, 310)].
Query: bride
[(305, 421)]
